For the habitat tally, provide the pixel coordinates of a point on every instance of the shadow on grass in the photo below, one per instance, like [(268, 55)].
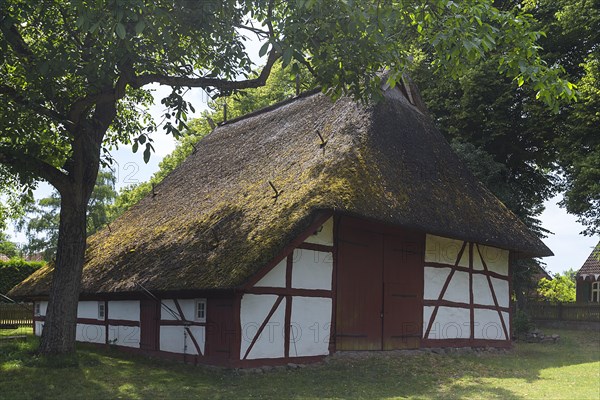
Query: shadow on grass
[(529, 371)]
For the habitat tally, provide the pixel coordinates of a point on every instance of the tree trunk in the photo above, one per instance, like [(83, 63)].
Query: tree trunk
[(58, 335)]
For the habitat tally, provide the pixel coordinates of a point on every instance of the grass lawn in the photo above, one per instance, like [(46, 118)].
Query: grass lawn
[(16, 332), (567, 370)]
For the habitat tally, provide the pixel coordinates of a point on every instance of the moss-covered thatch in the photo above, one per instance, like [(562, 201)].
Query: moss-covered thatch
[(214, 222)]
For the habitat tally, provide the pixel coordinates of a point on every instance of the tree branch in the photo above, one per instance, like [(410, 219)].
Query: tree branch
[(81, 105), (14, 38), (19, 160), (259, 32), (15, 96), (216, 83), (136, 82), (106, 95)]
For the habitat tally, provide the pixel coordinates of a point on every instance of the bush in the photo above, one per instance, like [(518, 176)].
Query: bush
[(15, 271), (521, 323), (561, 289)]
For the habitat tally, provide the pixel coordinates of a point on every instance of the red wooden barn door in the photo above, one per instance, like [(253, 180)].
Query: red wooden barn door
[(402, 291), (149, 314), (358, 314), (379, 287)]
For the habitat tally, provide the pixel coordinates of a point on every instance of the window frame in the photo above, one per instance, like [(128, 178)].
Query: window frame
[(101, 311), (37, 309), (595, 289), (200, 304)]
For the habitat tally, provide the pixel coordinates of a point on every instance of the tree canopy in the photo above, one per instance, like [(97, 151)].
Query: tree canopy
[(42, 218), (8, 248), (533, 153)]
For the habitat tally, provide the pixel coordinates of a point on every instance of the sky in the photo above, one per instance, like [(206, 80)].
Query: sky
[(570, 248)]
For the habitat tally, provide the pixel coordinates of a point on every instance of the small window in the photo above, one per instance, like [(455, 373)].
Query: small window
[(101, 310), (200, 315), (595, 295), (37, 309)]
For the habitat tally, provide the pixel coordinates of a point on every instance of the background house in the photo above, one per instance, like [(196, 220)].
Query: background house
[(588, 278)]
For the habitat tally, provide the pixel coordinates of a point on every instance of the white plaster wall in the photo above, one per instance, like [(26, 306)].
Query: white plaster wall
[(275, 277), (481, 290), (502, 292), (458, 289), (488, 325), (451, 323), (39, 325), (310, 326), (434, 279), (253, 310), (90, 333), (188, 307), (443, 250), (323, 235), (127, 310), (176, 340), (312, 269), (87, 309), (128, 336), (496, 259)]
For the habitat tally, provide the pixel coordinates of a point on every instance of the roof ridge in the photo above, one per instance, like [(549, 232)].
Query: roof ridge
[(272, 107)]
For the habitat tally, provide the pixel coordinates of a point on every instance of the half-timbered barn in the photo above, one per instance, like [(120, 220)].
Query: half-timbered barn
[(303, 229)]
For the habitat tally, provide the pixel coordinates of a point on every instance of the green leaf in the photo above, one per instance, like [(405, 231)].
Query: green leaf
[(134, 148), (80, 21), (147, 154), (287, 56), (120, 30), (140, 26), (263, 50)]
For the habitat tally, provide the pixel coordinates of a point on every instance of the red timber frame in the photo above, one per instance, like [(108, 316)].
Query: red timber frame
[(470, 248), (285, 295)]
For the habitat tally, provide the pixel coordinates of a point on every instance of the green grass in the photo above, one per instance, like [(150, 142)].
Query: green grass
[(567, 370), (16, 332)]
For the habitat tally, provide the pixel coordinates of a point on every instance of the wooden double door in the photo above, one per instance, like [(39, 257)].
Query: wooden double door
[(379, 303)]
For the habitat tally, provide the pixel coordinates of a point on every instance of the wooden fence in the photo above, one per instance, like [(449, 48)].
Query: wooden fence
[(16, 315), (589, 312)]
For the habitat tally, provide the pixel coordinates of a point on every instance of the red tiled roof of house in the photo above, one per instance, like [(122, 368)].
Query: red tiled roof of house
[(592, 264)]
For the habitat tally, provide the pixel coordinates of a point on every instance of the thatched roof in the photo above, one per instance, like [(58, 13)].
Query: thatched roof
[(591, 266), (214, 222)]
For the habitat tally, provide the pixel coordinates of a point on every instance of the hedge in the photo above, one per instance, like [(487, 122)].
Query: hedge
[(14, 271)]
